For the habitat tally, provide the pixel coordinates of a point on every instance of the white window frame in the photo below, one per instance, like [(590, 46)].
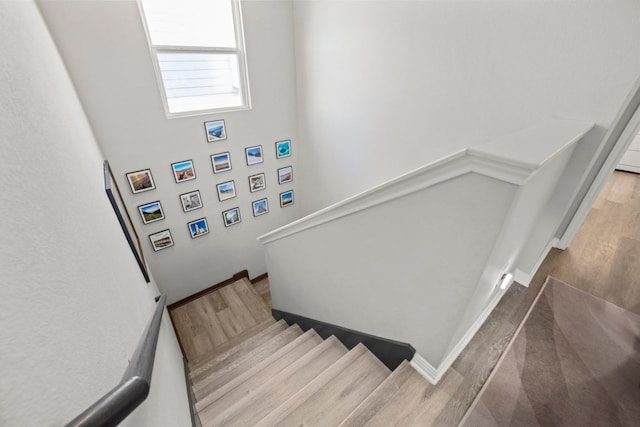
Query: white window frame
[(239, 51)]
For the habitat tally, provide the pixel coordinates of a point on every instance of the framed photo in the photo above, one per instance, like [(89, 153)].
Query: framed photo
[(260, 207), (257, 182), (221, 162), (120, 209), (226, 190), (198, 228), (161, 240), (141, 181), (283, 149), (285, 175), (216, 131), (254, 155), (231, 217), (191, 201), (151, 212), (286, 198), (183, 171)]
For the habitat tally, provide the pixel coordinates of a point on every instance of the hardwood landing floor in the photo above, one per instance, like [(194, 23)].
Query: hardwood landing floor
[(217, 318), (603, 260)]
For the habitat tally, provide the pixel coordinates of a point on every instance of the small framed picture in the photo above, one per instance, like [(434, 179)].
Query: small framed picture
[(161, 240), (285, 175), (151, 212), (183, 171), (141, 181), (216, 131), (260, 207), (198, 228), (221, 162), (286, 198), (257, 182), (283, 149), (254, 155), (231, 217), (226, 190), (191, 201)]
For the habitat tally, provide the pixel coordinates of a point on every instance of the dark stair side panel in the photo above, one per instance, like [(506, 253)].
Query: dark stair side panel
[(391, 353)]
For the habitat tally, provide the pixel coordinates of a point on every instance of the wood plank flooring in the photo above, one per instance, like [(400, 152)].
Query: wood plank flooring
[(219, 318), (603, 260)]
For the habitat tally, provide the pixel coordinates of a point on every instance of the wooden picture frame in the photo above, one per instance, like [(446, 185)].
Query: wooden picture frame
[(120, 209)]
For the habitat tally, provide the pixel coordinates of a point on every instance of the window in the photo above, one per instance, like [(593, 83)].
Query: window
[(198, 50)]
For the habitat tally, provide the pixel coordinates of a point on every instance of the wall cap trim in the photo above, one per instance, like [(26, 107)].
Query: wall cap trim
[(513, 159)]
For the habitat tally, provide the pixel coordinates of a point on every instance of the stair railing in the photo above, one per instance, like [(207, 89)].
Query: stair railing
[(134, 387)]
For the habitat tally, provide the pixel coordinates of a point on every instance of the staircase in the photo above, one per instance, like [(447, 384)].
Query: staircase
[(275, 374)]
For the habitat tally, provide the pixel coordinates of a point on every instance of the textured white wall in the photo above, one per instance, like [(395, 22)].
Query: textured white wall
[(105, 50), (73, 303), (403, 270), (387, 86)]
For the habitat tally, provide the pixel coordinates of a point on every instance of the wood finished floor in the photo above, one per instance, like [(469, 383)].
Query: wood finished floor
[(603, 260), (221, 318)]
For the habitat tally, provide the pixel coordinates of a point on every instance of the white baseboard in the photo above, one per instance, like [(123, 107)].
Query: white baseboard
[(425, 369), (432, 374), (524, 278)]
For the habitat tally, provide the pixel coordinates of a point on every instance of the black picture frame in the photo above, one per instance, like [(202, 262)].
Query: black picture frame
[(216, 130), (183, 171), (286, 198), (254, 155), (221, 162)]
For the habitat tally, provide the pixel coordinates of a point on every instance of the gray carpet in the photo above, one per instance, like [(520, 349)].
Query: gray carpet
[(574, 362)]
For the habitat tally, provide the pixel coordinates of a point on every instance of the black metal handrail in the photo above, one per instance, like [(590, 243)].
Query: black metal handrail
[(134, 387)]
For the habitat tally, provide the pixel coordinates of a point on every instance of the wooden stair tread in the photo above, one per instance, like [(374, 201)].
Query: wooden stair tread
[(244, 318), (256, 376), (334, 394), (231, 367), (249, 410), (414, 392), (428, 413), (251, 299), (380, 396), (243, 343)]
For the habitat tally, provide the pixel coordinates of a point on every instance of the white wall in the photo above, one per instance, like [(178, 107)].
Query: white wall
[(74, 303), (105, 50), (387, 86), (403, 269)]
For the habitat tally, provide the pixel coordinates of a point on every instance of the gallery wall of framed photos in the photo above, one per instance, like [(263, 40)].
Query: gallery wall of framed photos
[(248, 183)]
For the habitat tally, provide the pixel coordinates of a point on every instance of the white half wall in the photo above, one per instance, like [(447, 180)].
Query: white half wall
[(74, 303), (387, 86), (411, 288), (105, 50)]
